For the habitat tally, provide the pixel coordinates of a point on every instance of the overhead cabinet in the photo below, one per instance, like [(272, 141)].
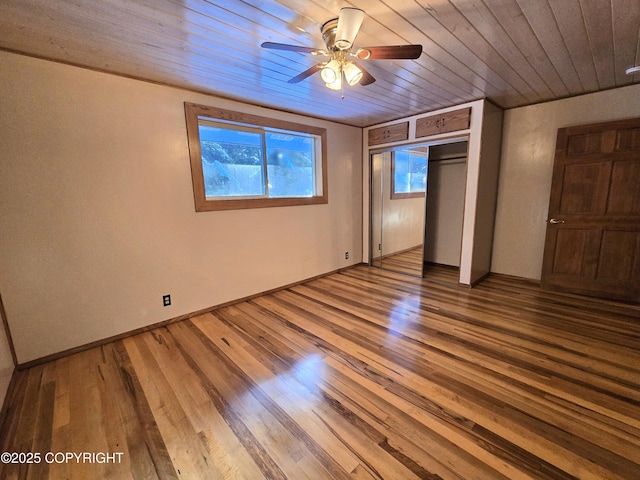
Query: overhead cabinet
[(390, 133), (443, 123)]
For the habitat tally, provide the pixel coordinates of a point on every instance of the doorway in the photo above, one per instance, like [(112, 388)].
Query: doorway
[(417, 206), (446, 183)]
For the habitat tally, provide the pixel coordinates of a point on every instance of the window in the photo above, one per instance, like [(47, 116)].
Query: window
[(245, 161), (409, 174)]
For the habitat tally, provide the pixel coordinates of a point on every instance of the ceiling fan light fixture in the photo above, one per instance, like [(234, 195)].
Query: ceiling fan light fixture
[(336, 84), (331, 71), (349, 23), (352, 73), (343, 65)]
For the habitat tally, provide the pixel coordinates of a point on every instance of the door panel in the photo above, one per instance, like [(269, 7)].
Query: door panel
[(580, 192), (593, 235), (618, 255), (625, 191), (571, 245)]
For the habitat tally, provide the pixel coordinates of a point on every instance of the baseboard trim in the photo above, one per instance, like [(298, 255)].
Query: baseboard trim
[(515, 278), (164, 323)]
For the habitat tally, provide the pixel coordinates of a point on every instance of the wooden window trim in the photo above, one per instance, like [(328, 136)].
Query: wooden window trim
[(400, 196), (192, 114)]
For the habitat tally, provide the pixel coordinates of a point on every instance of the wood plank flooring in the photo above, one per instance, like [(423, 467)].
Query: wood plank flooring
[(408, 261), (362, 374)]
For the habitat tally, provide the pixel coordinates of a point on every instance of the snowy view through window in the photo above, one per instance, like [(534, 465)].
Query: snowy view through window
[(250, 162), (410, 173)]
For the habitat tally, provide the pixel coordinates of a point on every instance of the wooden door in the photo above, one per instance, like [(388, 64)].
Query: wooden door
[(592, 244)]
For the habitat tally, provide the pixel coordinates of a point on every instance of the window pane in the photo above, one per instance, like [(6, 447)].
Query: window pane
[(290, 165), (231, 162), (418, 173), (401, 176)]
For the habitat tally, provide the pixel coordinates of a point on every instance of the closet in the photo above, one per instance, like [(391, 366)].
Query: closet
[(446, 178), (449, 219), (423, 226)]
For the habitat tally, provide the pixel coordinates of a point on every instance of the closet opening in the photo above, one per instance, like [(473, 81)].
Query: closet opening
[(417, 206)]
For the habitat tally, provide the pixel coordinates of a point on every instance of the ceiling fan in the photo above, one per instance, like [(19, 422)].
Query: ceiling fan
[(338, 35)]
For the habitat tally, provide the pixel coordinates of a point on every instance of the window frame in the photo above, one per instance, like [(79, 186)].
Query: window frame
[(400, 195), (194, 113)]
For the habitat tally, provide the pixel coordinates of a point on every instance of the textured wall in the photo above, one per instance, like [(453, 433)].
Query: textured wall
[(528, 149)]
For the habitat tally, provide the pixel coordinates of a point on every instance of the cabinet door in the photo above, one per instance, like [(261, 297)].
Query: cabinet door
[(390, 133), (443, 123), (457, 120)]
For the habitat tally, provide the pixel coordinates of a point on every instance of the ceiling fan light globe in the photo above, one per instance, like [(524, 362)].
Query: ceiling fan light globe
[(348, 26), (331, 71), (336, 84), (352, 73), (328, 75)]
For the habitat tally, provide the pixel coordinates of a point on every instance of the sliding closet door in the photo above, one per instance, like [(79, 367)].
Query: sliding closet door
[(397, 210), (377, 176)]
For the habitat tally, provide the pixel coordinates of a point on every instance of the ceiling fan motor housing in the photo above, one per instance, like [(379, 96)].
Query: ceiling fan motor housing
[(328, 30)]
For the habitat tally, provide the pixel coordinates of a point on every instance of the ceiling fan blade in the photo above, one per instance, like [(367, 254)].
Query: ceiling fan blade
[(292, 48), (349, 23), (307, 73), (390, 52), (367, 78)]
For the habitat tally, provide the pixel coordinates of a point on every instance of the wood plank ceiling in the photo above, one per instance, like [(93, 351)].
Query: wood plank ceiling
[(514, 52)]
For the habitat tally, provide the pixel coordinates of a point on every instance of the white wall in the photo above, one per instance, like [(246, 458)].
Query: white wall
[(98, 220), (403, 224), (445, 209), (528, 149)]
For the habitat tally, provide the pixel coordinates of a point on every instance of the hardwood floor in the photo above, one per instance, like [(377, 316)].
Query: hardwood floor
[(408, 261), (363, 374)]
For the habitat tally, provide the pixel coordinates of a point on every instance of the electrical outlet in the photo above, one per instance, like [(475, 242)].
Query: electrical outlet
[(166, 300), (346, 255)]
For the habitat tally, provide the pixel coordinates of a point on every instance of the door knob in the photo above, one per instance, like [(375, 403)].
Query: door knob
[(554, 221)]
